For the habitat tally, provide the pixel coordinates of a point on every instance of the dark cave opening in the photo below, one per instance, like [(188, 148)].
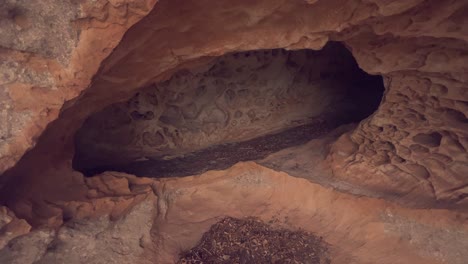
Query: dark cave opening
[(239, 107)]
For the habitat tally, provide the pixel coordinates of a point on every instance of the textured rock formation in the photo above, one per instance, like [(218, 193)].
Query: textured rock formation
[(236, 98), (416, 142), (11, 226), (96, 241), (411, 151), (49, 52), (172, 215)]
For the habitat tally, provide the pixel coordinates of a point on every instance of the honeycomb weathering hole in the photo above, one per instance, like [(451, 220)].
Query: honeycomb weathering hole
[(241, 106)]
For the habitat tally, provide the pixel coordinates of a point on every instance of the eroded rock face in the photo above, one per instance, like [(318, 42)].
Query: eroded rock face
[(98, 241), (38, 27), (413, 150), (419, 135), (11, 226), (49, 52), (173, 217), (238, 97), (406, 42)]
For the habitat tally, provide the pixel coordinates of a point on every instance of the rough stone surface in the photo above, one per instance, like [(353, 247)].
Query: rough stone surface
[(416, 142), (360, 230), (49, 52), (172, 215), (11, 226), (419, 48), (101, 240), (39, 26), (235, 98), (412, 150)]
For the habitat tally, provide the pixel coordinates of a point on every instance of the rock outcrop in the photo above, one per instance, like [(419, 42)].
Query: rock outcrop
[(390, 189), (49, 51), (172, 215)]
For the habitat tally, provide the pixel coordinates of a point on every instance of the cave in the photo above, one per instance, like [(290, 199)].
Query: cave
[(171, 131), (241, 106)]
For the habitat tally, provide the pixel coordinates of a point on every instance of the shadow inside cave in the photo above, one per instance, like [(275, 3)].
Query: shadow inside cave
[(243, 106)]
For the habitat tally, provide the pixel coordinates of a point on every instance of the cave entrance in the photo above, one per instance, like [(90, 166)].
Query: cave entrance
[(238, 107)]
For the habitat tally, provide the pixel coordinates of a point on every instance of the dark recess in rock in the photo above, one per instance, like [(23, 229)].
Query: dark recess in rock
[(205, 129)]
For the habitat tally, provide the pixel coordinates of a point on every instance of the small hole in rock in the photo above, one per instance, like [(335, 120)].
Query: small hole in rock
[(430, 140)]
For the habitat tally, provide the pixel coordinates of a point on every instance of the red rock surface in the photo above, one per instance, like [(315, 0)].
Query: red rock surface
[(46, 62), (135, 220), (412, 150)]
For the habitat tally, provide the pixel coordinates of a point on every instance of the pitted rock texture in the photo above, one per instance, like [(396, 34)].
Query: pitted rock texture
[(237, 97), (417, 141), (411, 151)]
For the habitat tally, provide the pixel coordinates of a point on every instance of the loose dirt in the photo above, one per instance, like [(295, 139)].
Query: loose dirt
[(252, 241)]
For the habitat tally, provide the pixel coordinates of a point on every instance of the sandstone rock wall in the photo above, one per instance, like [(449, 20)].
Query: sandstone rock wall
[(49, 51), (410, 43), (102, 240), (171, 215), (417, 141), (412, 150)]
